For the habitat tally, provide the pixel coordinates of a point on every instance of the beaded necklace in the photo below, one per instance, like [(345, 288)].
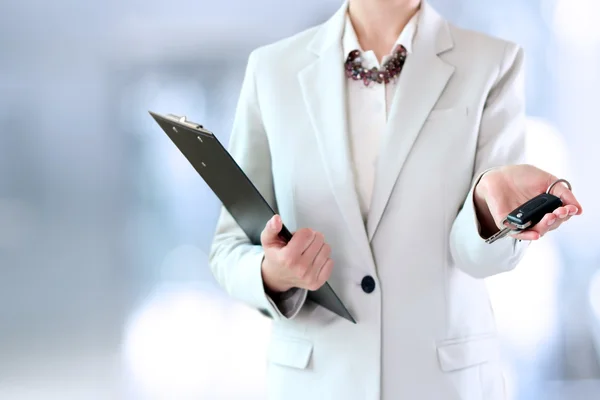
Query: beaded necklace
[(388, 72)]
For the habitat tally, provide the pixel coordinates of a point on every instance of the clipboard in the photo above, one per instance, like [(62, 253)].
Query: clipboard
[(235, 190)]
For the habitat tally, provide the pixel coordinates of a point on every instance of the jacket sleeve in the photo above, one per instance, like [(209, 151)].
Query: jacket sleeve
[(501, 142), (234, 261)]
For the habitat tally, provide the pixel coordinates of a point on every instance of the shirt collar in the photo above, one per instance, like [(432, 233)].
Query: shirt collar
[(406, 38)]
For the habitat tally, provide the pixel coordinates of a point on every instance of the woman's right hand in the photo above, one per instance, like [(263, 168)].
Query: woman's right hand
[(303, 263)]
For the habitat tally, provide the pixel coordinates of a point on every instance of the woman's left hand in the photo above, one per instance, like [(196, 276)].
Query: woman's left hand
[(502, 190)]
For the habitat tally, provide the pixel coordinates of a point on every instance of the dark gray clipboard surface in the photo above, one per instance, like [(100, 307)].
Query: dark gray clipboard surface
[(235, 190)]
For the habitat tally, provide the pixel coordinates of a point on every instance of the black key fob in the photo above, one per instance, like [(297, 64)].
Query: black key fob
[(532, 212)]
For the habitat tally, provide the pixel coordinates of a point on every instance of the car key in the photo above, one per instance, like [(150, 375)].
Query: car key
[(527, 215), (530, 213)]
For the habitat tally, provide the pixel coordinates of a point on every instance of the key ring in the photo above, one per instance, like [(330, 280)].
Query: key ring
[(557, 182)]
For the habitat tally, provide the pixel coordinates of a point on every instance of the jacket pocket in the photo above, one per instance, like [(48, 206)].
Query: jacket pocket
[(290, 352), (459, 354)]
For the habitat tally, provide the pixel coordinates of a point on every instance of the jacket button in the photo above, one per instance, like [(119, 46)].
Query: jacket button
[(368, 284)]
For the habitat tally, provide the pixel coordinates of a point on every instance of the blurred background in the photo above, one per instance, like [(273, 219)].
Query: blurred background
[(105, 292)]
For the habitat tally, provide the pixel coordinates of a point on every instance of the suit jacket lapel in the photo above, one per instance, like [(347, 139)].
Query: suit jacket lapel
[(421, 83), (324, 91)]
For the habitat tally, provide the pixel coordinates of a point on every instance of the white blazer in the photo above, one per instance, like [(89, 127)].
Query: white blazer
[(427, 331)]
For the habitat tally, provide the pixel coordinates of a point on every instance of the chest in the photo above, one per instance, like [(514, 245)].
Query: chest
[(443, 149), (371, 136)]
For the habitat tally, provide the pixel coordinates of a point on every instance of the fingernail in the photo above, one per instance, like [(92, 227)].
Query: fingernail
[(551, 221), (574, 211)]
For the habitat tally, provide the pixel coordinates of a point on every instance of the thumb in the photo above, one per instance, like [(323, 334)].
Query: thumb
[(270, 234)]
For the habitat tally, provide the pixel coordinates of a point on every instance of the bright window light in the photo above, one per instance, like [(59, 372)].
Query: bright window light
[(546, 148), (524, 299), (576, 21), (187, 342), (171, 346), (594, 296)]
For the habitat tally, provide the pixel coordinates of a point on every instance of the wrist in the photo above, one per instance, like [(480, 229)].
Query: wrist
[(479, 195), (486, 221), (272, 288)]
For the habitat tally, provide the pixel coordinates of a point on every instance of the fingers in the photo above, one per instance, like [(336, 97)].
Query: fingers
[(527, 235), (572, 210), (553, 220), (547, 222), (550, 222), (316, 260), (322, 256), (324, 274), (301, 242), (307, 256), (321, 259), (313, 248), (567, 197)]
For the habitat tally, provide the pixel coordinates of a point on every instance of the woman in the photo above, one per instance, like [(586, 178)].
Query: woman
[(391, 141)]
